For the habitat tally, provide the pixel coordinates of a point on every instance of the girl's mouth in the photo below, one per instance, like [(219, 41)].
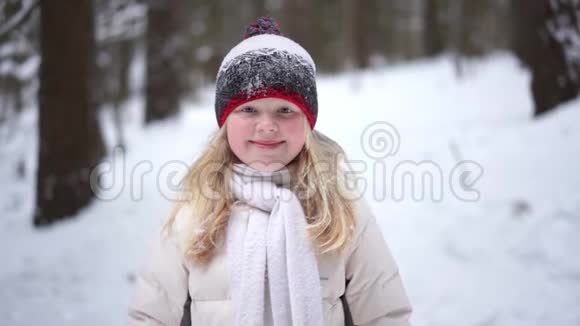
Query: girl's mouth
[(267, 145)]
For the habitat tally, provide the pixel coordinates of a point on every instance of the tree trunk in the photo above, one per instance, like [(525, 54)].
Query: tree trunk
[(168, 57), (534, 44), (360, 33), (70, 141), (458, 35), (299, 23), (432, 43)]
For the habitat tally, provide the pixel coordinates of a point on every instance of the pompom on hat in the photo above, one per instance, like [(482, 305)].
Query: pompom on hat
[(266, 64)]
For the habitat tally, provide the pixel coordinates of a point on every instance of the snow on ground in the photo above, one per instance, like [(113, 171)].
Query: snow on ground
[(508, 257)]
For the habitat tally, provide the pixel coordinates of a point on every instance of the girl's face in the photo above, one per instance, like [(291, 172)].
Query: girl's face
[(266, 134)]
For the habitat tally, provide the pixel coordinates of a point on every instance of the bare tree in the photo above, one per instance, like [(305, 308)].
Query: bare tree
[(300, 23), (545, 38), (70, 141), (120, 28), (18, 47), (361, 33), (168, 57), (432, 42)]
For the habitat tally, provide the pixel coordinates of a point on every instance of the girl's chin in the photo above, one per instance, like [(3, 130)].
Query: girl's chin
[(267, 166)]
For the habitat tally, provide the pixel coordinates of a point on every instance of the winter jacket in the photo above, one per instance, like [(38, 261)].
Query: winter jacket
[(375, 293)]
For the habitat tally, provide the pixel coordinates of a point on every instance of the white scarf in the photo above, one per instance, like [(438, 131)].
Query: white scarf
[(271, 247)]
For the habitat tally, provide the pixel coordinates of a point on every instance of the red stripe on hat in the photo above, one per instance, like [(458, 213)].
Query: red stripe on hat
[(268, 92)]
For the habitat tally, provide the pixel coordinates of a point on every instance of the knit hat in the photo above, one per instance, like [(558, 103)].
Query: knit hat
[(266, 64)]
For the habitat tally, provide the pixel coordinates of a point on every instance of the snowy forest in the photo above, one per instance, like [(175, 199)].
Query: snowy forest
[(87, 86)]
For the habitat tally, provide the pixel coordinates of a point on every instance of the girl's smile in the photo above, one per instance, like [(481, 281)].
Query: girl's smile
[(266, 144)]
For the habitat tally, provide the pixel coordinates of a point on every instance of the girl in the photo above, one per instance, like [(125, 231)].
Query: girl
[(267, 232)]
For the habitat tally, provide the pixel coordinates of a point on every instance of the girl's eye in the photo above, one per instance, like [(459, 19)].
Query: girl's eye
[(286, 110), (248, 109)]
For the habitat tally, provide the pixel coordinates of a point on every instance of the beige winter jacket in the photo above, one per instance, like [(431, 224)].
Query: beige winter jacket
[(375, 293)]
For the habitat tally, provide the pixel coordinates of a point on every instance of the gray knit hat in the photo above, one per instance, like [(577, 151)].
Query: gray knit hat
[(266, 64)]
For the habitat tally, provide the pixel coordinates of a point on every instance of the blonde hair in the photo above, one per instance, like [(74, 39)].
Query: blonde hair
[(319, 180)]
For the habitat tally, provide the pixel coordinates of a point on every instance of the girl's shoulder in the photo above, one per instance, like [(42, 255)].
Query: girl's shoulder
[(362, 211), (183, 215), (180, 223), (364, 218)]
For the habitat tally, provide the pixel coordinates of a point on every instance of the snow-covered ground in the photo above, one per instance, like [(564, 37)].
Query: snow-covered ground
[(503, 251)]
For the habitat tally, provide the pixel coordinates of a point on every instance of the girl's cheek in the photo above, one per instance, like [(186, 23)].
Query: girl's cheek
[(296, 124), (247, 125)]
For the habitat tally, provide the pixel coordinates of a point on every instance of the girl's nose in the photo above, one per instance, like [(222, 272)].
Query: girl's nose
[(267, 125)]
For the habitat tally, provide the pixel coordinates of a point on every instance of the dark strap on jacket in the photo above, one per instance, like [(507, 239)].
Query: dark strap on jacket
[(347, 315), (186, 318)]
